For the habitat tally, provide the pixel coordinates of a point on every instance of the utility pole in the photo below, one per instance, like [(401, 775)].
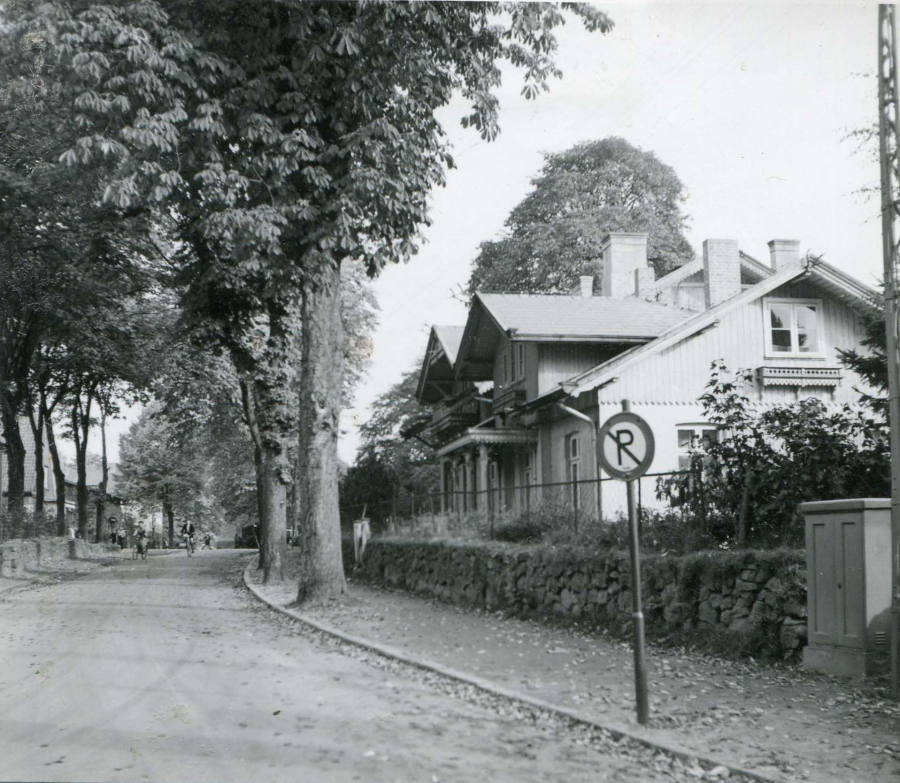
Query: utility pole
[(889, 138)]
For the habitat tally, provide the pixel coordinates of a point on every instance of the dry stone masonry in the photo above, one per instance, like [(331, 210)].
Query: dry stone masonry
[(19, 556), (754, 601)]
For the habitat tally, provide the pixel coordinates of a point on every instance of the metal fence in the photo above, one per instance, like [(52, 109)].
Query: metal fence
[(574, 506)]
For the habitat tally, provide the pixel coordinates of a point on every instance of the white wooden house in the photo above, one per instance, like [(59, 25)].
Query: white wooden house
[(558, 366)]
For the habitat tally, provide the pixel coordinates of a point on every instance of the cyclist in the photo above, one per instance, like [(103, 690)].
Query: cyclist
[(142, 543), (187, 532)]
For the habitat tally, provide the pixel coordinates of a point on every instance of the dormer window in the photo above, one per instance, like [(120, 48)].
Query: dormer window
[(794, 328)]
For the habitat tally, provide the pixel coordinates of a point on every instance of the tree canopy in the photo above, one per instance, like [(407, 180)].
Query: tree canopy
[(278, 141), (553, 236)]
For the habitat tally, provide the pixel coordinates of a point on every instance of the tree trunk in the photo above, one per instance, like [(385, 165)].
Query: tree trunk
[(249, 406), (104, 481), (58, 477), (274, 389), (37, 433), (273, 502), (319, 409), (170, 515), (15, 466), (81, 492)]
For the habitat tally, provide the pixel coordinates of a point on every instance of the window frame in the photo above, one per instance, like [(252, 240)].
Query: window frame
[(795, 353), (698, 428), (573, 467), (519, 361)]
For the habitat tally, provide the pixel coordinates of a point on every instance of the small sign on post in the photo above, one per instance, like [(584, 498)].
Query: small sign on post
[(361, 533), (626, 451)]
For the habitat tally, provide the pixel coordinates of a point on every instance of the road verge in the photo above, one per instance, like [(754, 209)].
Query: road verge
[(618, 731)]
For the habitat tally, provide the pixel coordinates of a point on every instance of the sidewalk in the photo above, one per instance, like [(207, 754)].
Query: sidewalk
[(781, 722)]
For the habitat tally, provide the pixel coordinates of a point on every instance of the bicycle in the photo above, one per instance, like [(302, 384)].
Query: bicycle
[(189, 545), (140, 548)]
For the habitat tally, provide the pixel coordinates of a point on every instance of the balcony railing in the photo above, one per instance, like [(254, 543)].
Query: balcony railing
[(449, 419), (509, 396)]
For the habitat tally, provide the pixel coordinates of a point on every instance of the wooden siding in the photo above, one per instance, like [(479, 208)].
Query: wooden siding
[(679, 373), (557, 363)]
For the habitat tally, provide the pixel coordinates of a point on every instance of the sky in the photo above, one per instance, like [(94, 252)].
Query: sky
[(749, 104)]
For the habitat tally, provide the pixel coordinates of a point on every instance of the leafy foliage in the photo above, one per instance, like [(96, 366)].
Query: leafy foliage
[(553, 236), (277, 141), (390, 467), (154, 473), (871, 364), (746, 486)]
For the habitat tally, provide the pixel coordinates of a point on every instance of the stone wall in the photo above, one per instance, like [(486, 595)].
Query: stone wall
[(755, 599), (19, 556)]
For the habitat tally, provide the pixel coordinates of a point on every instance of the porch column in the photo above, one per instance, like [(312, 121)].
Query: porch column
[(454, 484), (470, 482), (483, 487), (443, 485)]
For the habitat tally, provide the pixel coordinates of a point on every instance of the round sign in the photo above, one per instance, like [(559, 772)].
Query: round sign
[(626, 446)]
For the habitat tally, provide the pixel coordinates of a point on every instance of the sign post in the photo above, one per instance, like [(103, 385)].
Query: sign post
[(627, 448)]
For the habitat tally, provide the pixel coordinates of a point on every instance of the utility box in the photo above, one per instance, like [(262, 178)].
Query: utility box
[(848, 573)]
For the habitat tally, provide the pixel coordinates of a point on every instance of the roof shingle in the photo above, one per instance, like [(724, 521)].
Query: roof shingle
[(543, 316)]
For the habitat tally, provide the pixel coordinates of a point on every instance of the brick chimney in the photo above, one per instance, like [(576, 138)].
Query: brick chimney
[(783, 251), (621, 254), (586, 286), (721, 270), (644, 280)]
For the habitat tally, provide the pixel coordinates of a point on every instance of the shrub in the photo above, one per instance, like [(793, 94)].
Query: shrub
[(521, 531), (746, 485)]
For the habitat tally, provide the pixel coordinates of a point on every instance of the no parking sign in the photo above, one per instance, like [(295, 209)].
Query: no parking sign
[(626, 446)]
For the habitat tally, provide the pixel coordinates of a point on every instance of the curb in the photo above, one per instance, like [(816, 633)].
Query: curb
[(616, 730)]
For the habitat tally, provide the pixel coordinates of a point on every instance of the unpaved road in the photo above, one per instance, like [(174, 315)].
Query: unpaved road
[(165, 670)]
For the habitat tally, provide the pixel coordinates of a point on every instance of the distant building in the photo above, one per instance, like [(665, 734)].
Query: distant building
[(509, 385), (30, 472), (113, 507)]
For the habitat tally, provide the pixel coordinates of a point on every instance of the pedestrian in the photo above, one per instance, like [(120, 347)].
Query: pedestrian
[(120, 534)]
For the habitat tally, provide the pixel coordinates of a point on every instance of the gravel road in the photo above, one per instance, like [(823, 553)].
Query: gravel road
[(166, 670)]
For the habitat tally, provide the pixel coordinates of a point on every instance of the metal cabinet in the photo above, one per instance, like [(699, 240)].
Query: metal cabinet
[(848, 567)]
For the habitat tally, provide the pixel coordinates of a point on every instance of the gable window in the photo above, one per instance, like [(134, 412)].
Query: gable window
[(693, 438), (794, 328), (518, 370), (573, 467)]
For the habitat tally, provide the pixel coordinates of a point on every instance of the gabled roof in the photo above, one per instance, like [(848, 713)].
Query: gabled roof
[(833, 280), (449, 338), (755, 270), (550, 317), (440, 357)]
